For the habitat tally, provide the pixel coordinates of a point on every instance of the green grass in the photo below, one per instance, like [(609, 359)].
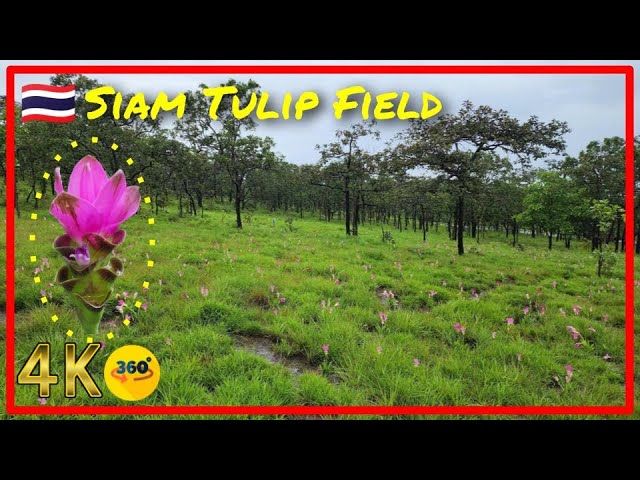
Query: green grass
[(315, 263)]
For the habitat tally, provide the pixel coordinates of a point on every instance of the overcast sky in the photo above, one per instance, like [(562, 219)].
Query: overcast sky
[(593, 105)]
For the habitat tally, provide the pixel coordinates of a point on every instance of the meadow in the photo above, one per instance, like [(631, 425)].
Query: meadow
[(302, 315)]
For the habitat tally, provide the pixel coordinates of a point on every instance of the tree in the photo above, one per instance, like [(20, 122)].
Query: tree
[(457, 145), (225, 140), (604, 214), (350, 163), (553, 203)]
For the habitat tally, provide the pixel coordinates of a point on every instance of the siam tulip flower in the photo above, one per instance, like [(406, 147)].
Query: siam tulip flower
[(525, 310), (325, 349), (459, 328), (102, 345), (569, 369), (578, 345), (416, 362), (379, 349), (91, 212), (510, 321), (282, 300), (576, 309), (144, 306), (204, 291), (42, 401), (94, 203), (383, 317), (167, 341), (573, 332)]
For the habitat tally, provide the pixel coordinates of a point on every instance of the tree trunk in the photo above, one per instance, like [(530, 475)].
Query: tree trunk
[(238, 204), (347, 206), (461, 224), (550, 240)]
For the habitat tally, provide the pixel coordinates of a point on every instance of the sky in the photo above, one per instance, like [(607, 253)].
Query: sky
[(592, 105)]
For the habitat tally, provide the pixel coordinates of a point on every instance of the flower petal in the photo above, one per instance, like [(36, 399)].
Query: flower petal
[(57, 184), (110, 194), (77, 216), (87, 179), (126, 207)]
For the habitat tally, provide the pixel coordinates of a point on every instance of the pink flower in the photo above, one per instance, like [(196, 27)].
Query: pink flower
[(325, 349), (42, 401), (569, 369), (94, 203), (37, 270), (125, 294), (379, 349), (167, 341), (493, 334), (578, 345), (591, 329), (416, 362), (102, 345), (525, 310), (43, 292), (144, 306), (576, 309), (383, 317), (282, 300), (127, 317), (510, 321), (573, 332), (607, 357), (204, 291), (459, 328)]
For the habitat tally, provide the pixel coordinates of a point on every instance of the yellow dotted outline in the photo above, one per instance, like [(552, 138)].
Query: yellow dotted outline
[(32, 237)]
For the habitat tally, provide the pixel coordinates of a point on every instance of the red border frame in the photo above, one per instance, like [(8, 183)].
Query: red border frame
[(626, 409)]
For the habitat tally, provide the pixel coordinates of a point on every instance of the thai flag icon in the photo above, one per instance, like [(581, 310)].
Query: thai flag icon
[(48, 103)]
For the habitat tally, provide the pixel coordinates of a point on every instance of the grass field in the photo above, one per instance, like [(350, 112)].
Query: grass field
[(241, 317)]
